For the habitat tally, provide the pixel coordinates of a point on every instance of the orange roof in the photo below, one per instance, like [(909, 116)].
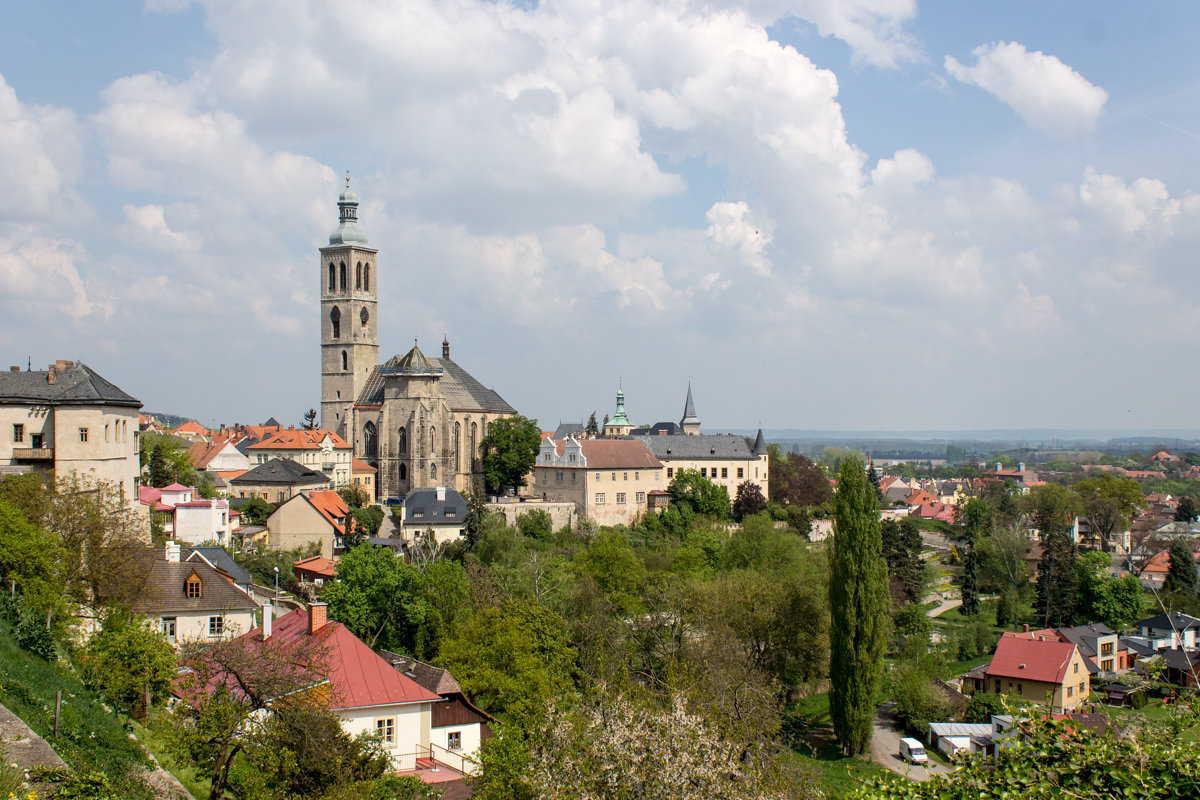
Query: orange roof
[(1160, 562), (331, 506), (233, 473), (300, 440), (202, 453), (317, 565), (1044, 660), (614, 454), (358, 465), (191, 426)]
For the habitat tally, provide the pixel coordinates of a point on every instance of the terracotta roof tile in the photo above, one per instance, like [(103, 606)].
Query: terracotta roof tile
[(615, 454), (300, 440), (1044, 660)]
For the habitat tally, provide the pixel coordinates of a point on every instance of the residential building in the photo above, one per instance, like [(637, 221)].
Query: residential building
[(219, 455), (1101, 647), (441, 510), (1154, 572), (203, 521), (191, 599), (1036, 667), (316, 569), (419, 421), (320, 450), (66, 420), (313, 517), (726, 460), (278, 480), (363, 476), (1173, 631), (608, 480)]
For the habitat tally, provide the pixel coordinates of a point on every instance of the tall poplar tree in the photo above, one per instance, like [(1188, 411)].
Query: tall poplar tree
[(859, 602)]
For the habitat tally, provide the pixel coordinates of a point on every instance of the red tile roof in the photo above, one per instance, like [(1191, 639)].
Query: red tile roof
[(359, 677), (358, 465), (317, 565), (614, 454), (1044, 660), (331, 506), (192, 426), (300, 440)]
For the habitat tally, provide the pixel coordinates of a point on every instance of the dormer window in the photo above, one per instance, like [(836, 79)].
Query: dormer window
[(191, 587)]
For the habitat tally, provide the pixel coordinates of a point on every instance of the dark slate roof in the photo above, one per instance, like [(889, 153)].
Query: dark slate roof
[(283, 472), (760, 445), (566, 429), (1178, 620), (460, 391), (1181, 660), (1084, 637), (657, 429), (78, 383), (272, 423), (697, 447), (1138, 646), (689, 408), (219, 558), (424, 502), (164, 590), (436, 680)]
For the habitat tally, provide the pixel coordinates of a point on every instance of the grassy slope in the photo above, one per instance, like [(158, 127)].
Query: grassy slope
[(819, 751), (91, 739)]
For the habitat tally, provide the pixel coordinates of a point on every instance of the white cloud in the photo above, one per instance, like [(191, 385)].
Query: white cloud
[(40, 150), (39, 273), (732, 226), (1045, 92), (1144, 205)]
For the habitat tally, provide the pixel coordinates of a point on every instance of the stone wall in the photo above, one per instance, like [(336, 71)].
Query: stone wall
[(561, 514)]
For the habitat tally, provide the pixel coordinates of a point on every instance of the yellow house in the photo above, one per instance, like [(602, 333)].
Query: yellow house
[(1035, 666)]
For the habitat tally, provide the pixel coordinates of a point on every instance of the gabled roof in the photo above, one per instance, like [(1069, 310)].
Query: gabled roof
[(74, 383), (359, 678), (657, 429), (163, 587), (331, 506), (566, 429), (616, 453), (460, 391), (697, 448), (1165, 622), (357, 465), (219, 558), (422, 506), (1044, 660), (281, 472), (300, 440), (317, 565), (435, 679)]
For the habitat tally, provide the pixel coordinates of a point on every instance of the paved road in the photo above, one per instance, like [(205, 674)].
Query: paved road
[(885, 748), (943, 608)]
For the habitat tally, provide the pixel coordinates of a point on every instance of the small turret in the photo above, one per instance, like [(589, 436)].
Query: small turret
[(690, 422)]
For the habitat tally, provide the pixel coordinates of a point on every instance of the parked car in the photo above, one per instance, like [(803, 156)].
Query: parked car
[(912, 750)]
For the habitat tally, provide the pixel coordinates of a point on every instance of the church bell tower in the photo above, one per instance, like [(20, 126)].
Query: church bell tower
[(349, 318)]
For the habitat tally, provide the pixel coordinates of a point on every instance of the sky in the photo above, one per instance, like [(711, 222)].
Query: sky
[(869, 214)]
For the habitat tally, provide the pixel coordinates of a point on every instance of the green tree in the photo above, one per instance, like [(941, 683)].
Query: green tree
[(130, 662), (29, 557), (902, 551), (1186, 511), (509, 450), (1181, 571), (983, 706), (354, 495), (513, 659), (592, 428), (476, 519), (749, 501), (1119, 602), (796, 480), (309, 423), (696, 493), (160, 473), (972, 518), (1109, 503), (1054, 508), (255, 511), (858, 600), (536, 524), (610, 561), (175, 464)]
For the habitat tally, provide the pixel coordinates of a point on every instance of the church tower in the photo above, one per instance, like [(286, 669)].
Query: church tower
[(349, 318)]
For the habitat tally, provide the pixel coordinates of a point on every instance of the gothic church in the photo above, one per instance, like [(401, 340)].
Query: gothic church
[(418, 420)]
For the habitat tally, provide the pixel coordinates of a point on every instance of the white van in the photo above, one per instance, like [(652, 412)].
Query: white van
[(912, 750)]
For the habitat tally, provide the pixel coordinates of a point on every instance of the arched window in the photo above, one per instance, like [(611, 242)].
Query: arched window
[(332, 277), (402, 441), (342, 276), (433, 472), (457, 463), (344, 367), (358, 276), (364, 316), (335, 318), (370, 441), (474, 444), (403, 472), (367, 277), (432, 441)]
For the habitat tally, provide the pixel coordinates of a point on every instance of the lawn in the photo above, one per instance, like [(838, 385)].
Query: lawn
[(91, 739), (815, 747), (186, 773)]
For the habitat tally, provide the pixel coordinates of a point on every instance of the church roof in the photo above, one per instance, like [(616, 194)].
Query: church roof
[(414, 362), (459, 389), (711, 446), (73, 383), (689, 409), (760, 444)]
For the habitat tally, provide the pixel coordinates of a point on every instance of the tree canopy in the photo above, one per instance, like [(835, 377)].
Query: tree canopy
[(509, 450)]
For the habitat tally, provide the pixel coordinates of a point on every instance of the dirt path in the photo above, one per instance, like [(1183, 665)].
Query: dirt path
[(945, 606), (885, 748)]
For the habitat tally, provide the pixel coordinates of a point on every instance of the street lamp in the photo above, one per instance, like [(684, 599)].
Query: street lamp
[(276, 587)]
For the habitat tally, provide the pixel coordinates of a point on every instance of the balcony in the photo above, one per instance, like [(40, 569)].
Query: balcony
[(33, 453)]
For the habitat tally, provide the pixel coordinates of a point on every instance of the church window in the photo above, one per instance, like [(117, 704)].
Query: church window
[(332, 277), (335, 319), (370, 440), (363, 316), (367, 277), (457, 463), (474, 440), (358, 275), (342, 276), (402, 441), (432, 441), (433, 471), (344, 361)]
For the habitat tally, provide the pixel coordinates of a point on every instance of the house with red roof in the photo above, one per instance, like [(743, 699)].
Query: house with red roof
[(219, 455), (192, 431), (319, 450), (1035, 666), (315, 569), (609, 480), (315, 517)]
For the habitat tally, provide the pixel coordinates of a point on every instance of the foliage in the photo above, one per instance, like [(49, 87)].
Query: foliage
[(1181, 573), (902, 551), (255, 511), (368, 519), (33, 634), (1186, 511), (1117, 602), (171, 465), (29, 558), (796, 480), (911, 620), (692, 491), (858, 598), (982, 706), (617, 748), (1049, 760), (1058, 580), (128, 661), (1109, 502), (972, 516), (536, 524), (749, 501), (509, 450), (592, 428), (512, 658), (918, 701), (477, 516), (354, 495), (309, 422), (610, 561)]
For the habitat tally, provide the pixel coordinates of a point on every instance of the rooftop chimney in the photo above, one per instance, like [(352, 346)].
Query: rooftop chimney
[(316, 617), (50, 376), (172, 552), (1020, 466), (63, 364), (441, 494), (1026, 627), (268, 617), (999, 467)]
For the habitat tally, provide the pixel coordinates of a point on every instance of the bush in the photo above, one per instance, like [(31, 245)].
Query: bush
[(536, 524), (1138, 699), (982, 706), (33, 635)]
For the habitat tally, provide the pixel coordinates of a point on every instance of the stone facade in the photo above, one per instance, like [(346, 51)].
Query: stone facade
[(608, 480)]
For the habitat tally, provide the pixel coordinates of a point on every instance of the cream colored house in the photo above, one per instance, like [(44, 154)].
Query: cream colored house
[(192, 601), (1036, 667), (309, 518), (726, 460), (323, 451), (607, 479), (68, 419)]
